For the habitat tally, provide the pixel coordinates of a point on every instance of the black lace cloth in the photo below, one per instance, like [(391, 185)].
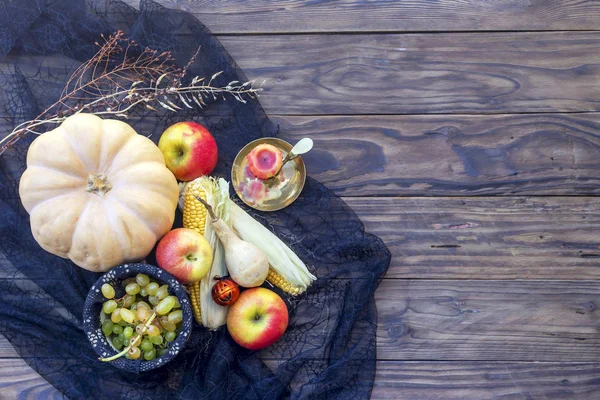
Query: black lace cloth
[(329, 348)]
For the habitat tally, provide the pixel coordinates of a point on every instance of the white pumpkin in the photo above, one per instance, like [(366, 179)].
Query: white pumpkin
[(97, 192)]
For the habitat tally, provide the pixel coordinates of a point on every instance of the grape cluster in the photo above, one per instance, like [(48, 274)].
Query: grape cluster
[(125, 320)]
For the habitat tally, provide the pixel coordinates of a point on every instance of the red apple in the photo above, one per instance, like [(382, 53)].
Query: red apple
[(257, 319), (189, 150), (185, 254)]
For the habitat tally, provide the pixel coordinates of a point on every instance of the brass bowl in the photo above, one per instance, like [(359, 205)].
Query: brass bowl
[(283, 193)]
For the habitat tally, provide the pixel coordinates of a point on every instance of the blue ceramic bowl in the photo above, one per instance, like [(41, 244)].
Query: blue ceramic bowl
[(93, 306)]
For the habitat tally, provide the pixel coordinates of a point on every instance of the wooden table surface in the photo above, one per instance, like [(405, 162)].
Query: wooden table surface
[(466, 134)]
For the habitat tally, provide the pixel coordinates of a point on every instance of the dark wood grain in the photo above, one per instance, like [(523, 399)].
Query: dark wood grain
[(19, 381), (483, 321), (6, 349), (457, 155), (451, 155), (230, 16), (482, 381), (445, 73), (487, 238), (423, 73), (488, 320), (397, 379), (404, 381)]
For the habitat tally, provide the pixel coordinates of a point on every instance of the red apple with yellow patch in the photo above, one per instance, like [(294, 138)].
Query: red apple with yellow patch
[(189, 149), (257, 319), (185, 254)]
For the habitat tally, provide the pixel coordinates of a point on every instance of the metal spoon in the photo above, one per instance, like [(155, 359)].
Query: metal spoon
[(302, 147)]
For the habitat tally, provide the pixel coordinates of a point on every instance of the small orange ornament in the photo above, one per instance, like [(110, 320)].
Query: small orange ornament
[(225, 292)]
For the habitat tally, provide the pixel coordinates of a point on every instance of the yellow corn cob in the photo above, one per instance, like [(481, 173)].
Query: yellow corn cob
[(194, 217), (194, 290), (194, 213), (277, 280)]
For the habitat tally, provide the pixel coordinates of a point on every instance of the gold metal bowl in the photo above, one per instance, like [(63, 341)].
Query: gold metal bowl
[(282, 193)]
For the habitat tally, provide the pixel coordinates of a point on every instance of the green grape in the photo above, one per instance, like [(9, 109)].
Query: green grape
[(153, 330), (162, 352), (127, 315), (176, 316), (134, 307), (153, 300), (142, 314), (108, 291), (128, 332), (150, 355), (152, 288), (157, 324), (116, 316), (177, 303), (132, 288), (164, 322), (139, 329), (107, 327), (123, 338), (169, 327), (109, 306), (142, 279), (117, 329), (128, 281), (156, 340), (128, 300), (143, 292), (170, 336), (122, 323), (117, 344), (135, 341), (147, 345), (165, 306), (162, 292), (134, 353), (143, 304)]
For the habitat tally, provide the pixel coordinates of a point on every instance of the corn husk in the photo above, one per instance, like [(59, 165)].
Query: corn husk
[(282, 259), (217, 195)]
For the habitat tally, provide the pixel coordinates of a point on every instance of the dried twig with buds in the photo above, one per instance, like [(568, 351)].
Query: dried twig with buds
[(122, 76)]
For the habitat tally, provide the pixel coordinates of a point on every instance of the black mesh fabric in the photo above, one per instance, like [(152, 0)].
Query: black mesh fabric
[(328, 350)]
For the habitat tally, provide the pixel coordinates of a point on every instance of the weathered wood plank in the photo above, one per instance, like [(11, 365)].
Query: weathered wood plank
[(19, 381), (451, 155), (405, 380), (485, 321), (457, 155), (488, 320), (446, 73), (539, 238), (6, 349), (230, 16), (423, 73), (487, 238), (477, 380)]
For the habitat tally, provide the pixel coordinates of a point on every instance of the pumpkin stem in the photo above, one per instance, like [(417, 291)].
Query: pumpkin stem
[(98, 184)]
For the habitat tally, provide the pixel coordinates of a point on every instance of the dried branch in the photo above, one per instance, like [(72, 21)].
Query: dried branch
[(122, 76)]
